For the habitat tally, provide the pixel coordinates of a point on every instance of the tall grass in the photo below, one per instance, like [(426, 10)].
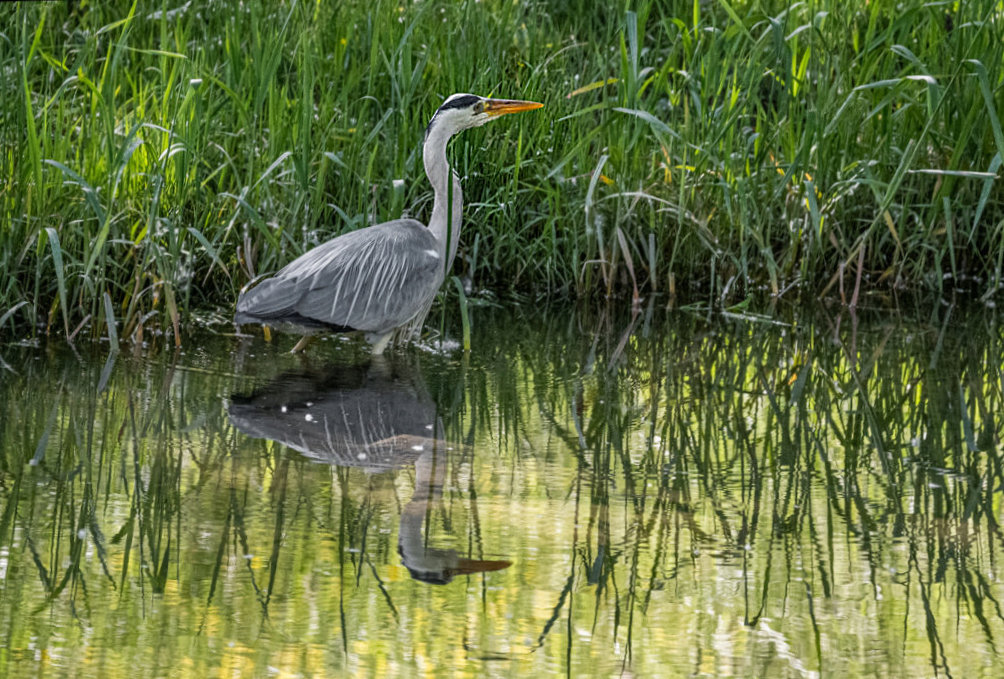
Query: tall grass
[(712, 151)]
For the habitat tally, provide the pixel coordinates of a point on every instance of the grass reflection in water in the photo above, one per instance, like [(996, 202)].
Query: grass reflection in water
[(671, 496)]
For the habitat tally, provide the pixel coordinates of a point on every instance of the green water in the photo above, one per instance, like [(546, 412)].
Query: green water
[(582, 495)]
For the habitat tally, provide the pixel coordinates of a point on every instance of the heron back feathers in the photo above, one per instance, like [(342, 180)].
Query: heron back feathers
[(374, 279)]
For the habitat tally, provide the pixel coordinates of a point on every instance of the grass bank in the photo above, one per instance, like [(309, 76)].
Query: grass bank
[(153, 160)]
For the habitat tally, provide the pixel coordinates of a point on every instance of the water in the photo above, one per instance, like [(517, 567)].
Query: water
[(584, 495)]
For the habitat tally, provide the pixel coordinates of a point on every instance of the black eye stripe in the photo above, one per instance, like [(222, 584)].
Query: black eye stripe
[(460, 102), (464, 101)]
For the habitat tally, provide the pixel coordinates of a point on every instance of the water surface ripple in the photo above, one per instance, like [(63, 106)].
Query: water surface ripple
[(582, 495)]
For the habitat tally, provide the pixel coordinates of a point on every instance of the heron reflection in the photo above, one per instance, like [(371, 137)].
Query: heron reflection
[(378, 417)]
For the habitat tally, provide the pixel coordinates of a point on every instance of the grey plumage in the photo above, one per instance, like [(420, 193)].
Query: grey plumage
[(382, 279), (374, 280)]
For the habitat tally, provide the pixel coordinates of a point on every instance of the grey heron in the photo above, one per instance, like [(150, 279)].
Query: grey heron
[(381, 279)]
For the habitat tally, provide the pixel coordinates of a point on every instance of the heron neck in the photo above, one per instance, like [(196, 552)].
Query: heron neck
[(448, 203), (430, 472)]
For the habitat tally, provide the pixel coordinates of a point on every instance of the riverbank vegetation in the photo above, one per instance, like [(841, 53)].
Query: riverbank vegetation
[(155, 160)]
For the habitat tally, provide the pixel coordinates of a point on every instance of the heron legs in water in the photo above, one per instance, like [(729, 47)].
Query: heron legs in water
[(379, 343), (302, 344)]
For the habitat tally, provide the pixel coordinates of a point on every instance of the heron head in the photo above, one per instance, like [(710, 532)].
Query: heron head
[(462, 111)]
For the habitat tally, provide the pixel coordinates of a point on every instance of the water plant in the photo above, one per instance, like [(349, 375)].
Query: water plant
[(671, 493), (152, 160)]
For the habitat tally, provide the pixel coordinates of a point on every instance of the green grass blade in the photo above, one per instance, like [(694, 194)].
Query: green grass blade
[(90, 194), (988, 100), (57, 262), (465, 317), (10, 312), (113, 333), (988, 185)]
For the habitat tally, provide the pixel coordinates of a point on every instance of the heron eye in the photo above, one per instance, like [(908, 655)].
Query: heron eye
[(479, 107)]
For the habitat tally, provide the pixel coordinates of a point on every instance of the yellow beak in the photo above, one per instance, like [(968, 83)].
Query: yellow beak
[(500, 107)]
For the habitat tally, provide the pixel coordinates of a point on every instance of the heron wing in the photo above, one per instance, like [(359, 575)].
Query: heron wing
[(374, 279)]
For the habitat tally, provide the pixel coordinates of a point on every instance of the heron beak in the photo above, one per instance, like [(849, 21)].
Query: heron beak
[(500, 107)]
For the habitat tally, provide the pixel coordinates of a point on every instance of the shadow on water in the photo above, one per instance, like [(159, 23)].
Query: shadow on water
[(672, 495)]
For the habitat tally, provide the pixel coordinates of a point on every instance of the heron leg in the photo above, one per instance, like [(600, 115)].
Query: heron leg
[(380, 343), (302, 344)]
